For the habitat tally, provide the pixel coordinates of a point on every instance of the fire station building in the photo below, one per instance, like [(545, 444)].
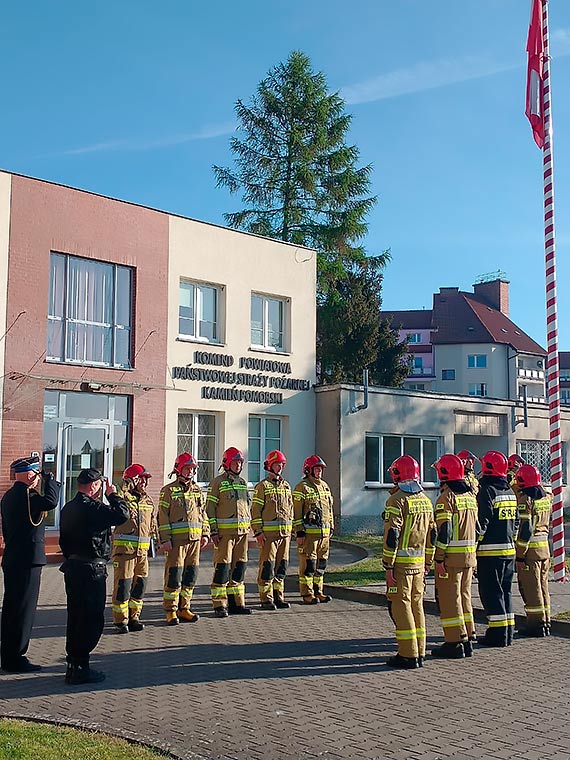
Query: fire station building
[(131, 334)]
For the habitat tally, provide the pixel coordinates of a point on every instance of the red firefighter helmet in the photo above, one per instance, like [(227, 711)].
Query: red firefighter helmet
[(494, 463), (274, 457), (231, 455), (515, 461), (449, 467), (528, 476), (136, 471), (404, 468), (467, 457), (312, 461), (183, 460)]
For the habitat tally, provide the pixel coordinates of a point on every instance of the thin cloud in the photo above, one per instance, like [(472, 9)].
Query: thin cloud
[(131, 145), (430, 75)]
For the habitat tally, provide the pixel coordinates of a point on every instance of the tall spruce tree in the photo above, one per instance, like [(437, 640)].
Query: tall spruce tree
[(300, 183)]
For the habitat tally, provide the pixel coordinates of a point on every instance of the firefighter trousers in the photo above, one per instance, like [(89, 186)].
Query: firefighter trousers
[(130, 572), (230, 561), (180, 575), (313, 556), (407, 611), (495, 577), (273, 563), (533, 585), (454, 600)]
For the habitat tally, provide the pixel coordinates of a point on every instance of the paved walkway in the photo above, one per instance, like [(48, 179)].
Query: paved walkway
[(300, 683)]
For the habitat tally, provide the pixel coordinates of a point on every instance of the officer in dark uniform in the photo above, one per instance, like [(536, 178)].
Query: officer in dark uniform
[(85, 540), (23, 510)]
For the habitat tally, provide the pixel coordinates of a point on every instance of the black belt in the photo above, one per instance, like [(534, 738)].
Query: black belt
[(88, 560)]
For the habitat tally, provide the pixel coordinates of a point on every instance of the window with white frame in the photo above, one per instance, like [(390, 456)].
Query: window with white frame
[(414, 338), (477, 361), (198, 311), (197, 435), (477, 389), (267, 322), (89, 312), (416, 386), (265, 434), (381, 450), (537, 453)]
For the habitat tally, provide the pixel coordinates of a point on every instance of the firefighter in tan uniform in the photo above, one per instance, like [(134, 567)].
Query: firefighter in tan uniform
[(533, 551), (455, 558), (131, 542), (409, 534), (184, 531), (313, 521), (514, 462), (271, 521), (468, 460), (230, 518)]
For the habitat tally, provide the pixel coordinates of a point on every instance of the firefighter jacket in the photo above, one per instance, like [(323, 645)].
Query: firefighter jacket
[(535, 508), (409, 530), (313, 508), (472, 481), (181, 513), (272, 508), (133, 537), (227, 504), (497, 512), (456, 521)]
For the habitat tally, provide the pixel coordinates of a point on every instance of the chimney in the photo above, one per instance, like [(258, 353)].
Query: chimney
[(495, 293)]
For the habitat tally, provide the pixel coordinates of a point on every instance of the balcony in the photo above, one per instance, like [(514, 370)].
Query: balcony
[(530, 374), (421, 372)]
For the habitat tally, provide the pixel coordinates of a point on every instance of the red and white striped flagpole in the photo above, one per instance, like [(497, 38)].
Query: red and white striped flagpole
[(553, 373)]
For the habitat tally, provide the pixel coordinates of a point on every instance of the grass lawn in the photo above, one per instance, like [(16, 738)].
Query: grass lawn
[(22, 740), (362, 573)]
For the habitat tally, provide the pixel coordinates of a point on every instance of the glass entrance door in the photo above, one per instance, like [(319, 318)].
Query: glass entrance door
[(83, 446)]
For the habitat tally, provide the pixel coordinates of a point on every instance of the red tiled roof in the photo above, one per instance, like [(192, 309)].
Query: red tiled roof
[(464, 318), (413, 319)]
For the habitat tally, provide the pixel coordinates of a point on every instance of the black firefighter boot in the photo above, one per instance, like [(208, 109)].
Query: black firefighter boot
[(403, 663), (237, 609), (81, 674), (449, 650)]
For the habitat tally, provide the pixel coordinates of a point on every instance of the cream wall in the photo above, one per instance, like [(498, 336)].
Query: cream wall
[(5, 191), (240, 263), (455, 357)]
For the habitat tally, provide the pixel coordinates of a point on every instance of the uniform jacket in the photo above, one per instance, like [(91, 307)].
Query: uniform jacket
[(456, 521), (227, 505), (409, 531), (272, 508), (535, 509), (133, 537), (24, 542), (85, 526), (313, 508), (181, 513), (497, 512), (472, 481)]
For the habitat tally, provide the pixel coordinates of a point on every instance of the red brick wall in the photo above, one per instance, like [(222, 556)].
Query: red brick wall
[(47, 217)]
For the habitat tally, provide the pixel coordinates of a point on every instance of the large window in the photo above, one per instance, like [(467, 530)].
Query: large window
[(477, 389), (537, 453), (267, 323), (381, 450), (265, 435), (198, 311), (89, 312), (197, 436), (478, 361)]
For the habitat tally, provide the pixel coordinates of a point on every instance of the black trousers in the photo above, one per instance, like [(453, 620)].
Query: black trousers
[(86, 594), (495, 577), (21, 591)]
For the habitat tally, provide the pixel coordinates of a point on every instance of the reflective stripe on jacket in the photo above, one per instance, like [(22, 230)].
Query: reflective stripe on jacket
[(133, 536), (409, 531), (181, 513), (227, 505), (272, 507), (313, 508), (456, 520)]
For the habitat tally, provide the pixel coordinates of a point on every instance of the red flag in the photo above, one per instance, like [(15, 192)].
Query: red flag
[(534, 78)]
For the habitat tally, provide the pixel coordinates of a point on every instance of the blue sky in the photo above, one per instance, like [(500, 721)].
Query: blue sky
[(135, 100)]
